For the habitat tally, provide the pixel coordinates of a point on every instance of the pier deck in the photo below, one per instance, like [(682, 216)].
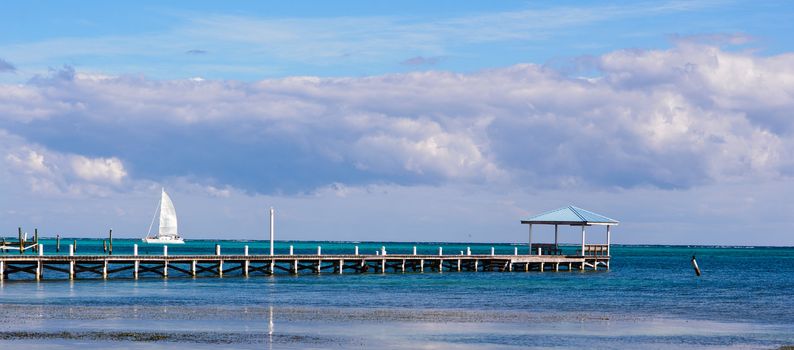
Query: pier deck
[(135, 266)]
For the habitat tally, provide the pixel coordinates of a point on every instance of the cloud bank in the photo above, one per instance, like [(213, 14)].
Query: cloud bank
[(677, 118), (693, 118)]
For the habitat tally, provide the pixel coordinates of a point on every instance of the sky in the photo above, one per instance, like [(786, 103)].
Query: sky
[(399, 121)]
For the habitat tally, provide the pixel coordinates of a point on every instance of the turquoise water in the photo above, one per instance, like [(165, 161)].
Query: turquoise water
[(649, 299)]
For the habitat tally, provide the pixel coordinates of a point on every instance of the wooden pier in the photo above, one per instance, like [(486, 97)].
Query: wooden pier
[(138, 266)]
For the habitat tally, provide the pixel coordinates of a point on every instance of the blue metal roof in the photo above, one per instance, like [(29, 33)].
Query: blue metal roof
[(570, 215)]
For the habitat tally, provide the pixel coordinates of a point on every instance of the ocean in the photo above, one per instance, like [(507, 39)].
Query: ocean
[(650, 299)]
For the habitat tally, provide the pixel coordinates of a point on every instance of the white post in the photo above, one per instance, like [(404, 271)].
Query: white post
[(382, 250), (356, 251), (290, 250), (468, 250), (583, 235), (492, 251), (516, 251), (41, 249), (165, 250), (530, 239), (217, 249), (272, 228), (71, 262), (440, 251), (539, 251), (246, 263), (414, 250), (319, 250), (136, 263), (608, 240)]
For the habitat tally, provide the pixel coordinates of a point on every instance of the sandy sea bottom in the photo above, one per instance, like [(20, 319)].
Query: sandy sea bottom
[(322, 328)]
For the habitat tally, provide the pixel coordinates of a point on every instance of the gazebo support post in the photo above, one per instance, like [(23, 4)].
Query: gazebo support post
[(583, 235), (556, 234), (608, 244), (530, 239)]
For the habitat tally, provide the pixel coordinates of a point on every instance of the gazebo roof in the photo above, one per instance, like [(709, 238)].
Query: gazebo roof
[(570, 215)]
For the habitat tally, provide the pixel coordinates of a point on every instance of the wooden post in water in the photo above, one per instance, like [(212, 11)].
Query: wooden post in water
[(74, 246), (104, 246), (21, 242), (36, 239), (110, 242), (57, 243), (695, 266)]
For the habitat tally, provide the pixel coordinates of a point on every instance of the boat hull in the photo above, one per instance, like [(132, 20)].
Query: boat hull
[(156, 240)]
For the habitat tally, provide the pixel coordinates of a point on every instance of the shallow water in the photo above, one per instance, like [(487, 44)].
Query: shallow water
[(650, 299)]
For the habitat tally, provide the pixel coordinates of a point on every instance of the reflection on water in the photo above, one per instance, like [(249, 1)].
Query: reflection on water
[(270, 327)]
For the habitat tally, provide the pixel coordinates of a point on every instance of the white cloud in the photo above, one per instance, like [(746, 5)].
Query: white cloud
[(50, 172), (99, 169), (672, 118)]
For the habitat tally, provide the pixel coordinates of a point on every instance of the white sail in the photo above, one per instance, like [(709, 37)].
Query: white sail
[(168, 226), (168, 233)]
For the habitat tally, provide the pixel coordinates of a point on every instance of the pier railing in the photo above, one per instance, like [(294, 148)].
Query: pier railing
[(596, 249)]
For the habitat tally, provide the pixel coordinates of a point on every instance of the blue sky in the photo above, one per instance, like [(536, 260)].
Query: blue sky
[(385, 120)]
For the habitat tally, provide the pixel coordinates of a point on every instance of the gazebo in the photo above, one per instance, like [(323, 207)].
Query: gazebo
[(571, 216)]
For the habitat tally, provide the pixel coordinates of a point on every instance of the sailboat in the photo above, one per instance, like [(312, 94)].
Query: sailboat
[(167, 234)]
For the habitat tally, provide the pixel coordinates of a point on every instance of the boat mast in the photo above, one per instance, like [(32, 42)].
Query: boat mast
[(154, 216)]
